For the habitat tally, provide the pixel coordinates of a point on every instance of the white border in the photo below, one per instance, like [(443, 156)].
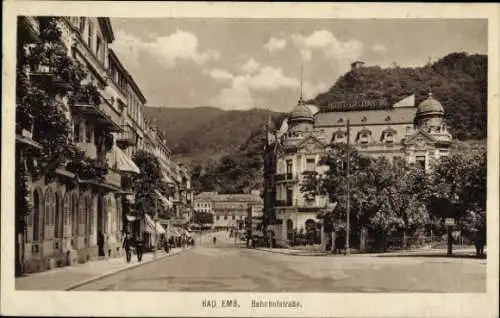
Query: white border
[(189, 304)]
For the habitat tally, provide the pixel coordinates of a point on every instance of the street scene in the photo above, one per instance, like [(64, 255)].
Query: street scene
[(220, 155)]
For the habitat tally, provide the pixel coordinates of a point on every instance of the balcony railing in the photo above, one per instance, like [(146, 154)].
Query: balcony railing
[(127, 137), (284, 177)]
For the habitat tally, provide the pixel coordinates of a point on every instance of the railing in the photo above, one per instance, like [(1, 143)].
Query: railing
[(113, 178), (127, 136), (284, 177)]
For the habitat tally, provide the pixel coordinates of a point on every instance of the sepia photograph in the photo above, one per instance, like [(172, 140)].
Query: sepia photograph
[(229, 155)]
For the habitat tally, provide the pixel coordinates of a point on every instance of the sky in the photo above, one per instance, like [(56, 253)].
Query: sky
[(258, 63)]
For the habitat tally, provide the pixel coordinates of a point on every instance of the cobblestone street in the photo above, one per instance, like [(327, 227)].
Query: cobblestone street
[(232, 267)]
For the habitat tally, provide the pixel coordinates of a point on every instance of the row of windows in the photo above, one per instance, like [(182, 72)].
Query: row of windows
[(47, 222), (225, 217), (363, 137)]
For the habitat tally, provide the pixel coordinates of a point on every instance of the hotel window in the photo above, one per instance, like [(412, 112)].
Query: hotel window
[(289, 196), (88, 133), (363, 138), (76, 130), (421, 161), (225, 217), (234, 217), (89, 35), (82, 25), (98, 49), (310, 164), (289, 166), (389, 137)]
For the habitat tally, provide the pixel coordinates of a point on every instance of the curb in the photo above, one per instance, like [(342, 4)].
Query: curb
[(110, 273), (293, 254)]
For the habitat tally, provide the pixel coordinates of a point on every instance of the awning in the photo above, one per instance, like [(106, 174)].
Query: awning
[(151, 225), (120, 161), (164, 200)]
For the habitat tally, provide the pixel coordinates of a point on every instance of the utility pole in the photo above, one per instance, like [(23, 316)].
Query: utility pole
[(348, 187), (155, 247)]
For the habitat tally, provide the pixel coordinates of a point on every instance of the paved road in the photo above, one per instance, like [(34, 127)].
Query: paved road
[(231, 267)]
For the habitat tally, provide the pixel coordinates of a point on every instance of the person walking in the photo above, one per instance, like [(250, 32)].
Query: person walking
[(214, 240), (139, 248), (127, 246)]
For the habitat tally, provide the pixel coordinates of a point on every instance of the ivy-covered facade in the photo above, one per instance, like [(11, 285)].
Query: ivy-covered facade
[(69, 167)]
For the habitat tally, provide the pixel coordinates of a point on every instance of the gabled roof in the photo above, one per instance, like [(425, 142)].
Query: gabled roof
[(419, 132), (311, 137)]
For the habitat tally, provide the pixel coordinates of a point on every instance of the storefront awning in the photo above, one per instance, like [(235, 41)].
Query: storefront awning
[(152, 227), (164, 200), (120, 161)]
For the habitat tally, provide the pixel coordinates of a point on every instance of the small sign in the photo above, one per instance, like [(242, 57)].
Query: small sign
[(449, 221)]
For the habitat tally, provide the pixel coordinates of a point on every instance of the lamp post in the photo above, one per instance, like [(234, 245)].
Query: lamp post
[(155, 247), (348, 188)]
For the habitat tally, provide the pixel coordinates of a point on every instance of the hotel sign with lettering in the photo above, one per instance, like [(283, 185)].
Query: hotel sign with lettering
[(358, 105)]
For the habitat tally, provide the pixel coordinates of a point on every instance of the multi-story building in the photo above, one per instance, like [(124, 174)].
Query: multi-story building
[(416, 134), (69, 219), (229, 210)]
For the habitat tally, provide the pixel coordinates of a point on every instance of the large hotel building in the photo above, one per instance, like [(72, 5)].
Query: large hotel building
[(416, 133)]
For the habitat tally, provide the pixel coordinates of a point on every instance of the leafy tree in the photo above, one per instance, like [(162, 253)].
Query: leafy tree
[(149, 180)]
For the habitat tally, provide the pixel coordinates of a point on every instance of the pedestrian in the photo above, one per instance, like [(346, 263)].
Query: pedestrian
[(126, 246), (139, 248), (215, 240), (480, 241), (100, 243)]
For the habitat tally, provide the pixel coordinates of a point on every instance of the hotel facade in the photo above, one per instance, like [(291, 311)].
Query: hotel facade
[(417, 134)]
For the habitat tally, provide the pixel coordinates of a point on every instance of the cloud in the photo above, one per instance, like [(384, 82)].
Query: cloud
[(250, 66), (241, 93), (379, 48), (312, 90), (219, 74), (324, 41), (170, 49), (275, 44)]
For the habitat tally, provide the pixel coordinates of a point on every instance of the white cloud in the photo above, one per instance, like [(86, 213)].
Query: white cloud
[(240, 94), (180, 45), (275, 44), (324, 41), (219, 74), (250, 66), (379, 48), (312, 90)]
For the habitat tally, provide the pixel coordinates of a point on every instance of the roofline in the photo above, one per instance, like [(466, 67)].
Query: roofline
[(115, 58), (107, 28), (136, 88)]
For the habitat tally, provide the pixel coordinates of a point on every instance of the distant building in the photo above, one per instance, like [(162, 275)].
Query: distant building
[(229, 210), (416, 134)]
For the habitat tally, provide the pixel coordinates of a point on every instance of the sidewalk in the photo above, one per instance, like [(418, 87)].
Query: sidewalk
[(69, 277), (414, 252)]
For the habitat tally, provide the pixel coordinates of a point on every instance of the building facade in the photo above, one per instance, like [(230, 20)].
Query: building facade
[(76, 218), (228, 210), (418, 135)]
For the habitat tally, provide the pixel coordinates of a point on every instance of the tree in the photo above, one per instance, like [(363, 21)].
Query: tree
[(149, 180)]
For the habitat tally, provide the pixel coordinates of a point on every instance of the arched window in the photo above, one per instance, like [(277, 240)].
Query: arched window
[(37, 214), (57, 216), (66, 215), (363, 136), (81, 216), (49, 215), (74, 215)]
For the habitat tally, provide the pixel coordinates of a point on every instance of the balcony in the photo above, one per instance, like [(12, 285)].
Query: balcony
[(127, 138), (47, 76), (285, 177), (99, 109), (113, 178)]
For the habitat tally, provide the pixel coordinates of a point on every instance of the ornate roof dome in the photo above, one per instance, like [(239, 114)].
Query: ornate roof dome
[(301, 112), (430, 106)]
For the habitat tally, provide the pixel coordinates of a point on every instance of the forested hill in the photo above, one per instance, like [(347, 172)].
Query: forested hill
[(458, 81)]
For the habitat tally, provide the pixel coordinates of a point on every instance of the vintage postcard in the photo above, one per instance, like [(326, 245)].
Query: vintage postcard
[(250, 159)]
